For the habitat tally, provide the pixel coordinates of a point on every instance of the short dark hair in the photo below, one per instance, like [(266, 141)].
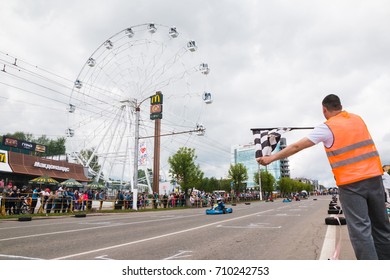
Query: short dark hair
[(332, 102)]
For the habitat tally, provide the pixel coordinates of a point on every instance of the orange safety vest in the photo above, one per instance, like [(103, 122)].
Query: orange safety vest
[(352, 156)]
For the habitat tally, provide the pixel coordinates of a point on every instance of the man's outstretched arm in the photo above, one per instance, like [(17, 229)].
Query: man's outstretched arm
[(286, 152)]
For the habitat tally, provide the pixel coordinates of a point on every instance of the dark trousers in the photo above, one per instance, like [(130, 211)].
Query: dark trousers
[(367, 220)]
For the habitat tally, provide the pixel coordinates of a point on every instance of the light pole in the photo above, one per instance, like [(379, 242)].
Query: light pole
[(136, 147), (155, 100)]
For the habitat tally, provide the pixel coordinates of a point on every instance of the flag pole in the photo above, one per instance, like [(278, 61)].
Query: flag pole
[(261, 194), (290, 128)]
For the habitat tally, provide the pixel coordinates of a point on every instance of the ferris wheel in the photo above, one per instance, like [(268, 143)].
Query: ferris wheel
[(119, 77)]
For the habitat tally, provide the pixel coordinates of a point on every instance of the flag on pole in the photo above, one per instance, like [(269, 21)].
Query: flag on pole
[(267, 140)]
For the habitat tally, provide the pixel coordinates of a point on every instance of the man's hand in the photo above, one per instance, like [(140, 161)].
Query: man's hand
[(264, 160)]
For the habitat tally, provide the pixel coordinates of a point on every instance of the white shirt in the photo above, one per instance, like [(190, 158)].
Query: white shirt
[(386, 180), (321, 133)]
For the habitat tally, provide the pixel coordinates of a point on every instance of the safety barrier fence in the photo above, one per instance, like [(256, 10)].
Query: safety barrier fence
[(21, 206)]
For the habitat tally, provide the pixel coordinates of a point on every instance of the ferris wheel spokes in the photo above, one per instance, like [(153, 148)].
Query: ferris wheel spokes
[(128, 67)]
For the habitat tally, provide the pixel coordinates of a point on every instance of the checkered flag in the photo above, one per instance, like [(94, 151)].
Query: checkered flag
[(266, 140)]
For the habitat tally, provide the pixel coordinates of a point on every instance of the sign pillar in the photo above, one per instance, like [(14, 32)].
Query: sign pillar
[(156, 105), (156, 162)]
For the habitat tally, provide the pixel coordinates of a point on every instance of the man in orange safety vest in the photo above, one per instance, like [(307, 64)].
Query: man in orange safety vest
[(357, 169)]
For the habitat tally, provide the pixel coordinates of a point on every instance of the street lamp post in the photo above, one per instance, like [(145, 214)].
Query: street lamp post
[(200, 130), (136, 148)]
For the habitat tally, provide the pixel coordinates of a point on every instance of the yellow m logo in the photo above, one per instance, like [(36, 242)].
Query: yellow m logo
[(157, 98), (3, 158)]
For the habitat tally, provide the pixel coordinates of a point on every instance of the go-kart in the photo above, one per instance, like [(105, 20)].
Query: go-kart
[(216, 211)]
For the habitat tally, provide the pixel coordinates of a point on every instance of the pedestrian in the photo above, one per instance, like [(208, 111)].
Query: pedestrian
[(1, 185), (119, 201), (45, 195), (13, 200), (85, 199), (101, 199), (386, 185), (66, 200), (34, 197), (58, 200), (50, 202), (76, 196), (89, 200), (357, 169)]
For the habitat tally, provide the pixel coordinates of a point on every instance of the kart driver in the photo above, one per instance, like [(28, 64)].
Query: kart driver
[(221, 205)]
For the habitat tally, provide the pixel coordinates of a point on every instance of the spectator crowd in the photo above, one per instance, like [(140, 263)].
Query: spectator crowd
[(15, 200)]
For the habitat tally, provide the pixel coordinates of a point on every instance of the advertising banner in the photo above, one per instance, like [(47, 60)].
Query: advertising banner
[(21, 144), (4, 166), (143, 154)]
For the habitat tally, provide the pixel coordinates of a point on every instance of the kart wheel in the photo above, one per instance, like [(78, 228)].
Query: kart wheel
[(337, 221)]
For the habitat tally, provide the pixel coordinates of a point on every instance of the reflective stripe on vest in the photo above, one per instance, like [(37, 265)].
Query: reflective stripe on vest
[(350, 148), (355, 159)]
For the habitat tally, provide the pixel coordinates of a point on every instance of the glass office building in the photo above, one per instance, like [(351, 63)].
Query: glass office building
[(245, 154)]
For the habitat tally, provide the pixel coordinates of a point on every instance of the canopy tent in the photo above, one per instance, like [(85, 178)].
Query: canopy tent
[(95, 185), (71, 183), (44, 180)]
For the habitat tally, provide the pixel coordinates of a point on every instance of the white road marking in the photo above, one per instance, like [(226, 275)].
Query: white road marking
[(101, 218), (179, 255), (19, 257), (251, 226), (328, 246), (159, 236), (281, 215), (85, 229), (104, 257)]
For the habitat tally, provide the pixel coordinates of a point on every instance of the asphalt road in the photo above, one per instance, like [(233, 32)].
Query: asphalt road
[(259, 231)]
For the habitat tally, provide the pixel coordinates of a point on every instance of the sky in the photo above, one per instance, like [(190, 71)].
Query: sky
[(272, 63)]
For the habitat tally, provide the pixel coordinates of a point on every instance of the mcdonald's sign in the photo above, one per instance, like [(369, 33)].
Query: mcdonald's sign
[(157, 98), (156, 102)]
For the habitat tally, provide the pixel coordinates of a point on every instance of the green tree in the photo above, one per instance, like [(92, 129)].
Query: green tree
[(21, 136), (209, 185), (285, 186), (267, 181), (239, 174), (56, 147), (288, 185), (204, 185), (184, 171), (225, 185), (213, 184)]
